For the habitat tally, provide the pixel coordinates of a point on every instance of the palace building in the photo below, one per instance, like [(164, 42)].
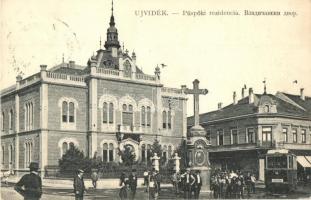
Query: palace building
[(242, 132), (100, 107)]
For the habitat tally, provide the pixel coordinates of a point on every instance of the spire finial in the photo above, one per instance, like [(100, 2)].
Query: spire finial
[(100, 42), (111, 7), (63, 59), (265, 86)]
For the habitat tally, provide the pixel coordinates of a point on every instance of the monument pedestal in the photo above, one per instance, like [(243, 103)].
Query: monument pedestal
[(199, 156)]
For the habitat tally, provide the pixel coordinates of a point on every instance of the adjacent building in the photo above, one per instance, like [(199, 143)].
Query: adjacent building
[(100, 108), (242, 132)]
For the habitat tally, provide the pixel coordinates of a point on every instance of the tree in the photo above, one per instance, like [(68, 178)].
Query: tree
[(183, 153), (128, 156), (73, 160), (156, 148)]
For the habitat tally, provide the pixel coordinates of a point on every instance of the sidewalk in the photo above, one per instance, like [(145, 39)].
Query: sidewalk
[(66, 184)]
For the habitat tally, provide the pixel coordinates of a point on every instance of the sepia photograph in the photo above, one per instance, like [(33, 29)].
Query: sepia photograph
[(179, 99)]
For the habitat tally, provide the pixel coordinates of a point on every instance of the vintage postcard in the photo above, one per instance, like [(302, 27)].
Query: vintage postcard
[(155, 99)]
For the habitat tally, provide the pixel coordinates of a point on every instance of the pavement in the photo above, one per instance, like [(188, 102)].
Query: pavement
[(109, 189)]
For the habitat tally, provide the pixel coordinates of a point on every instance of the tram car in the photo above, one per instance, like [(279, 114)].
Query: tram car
[(280, 171)]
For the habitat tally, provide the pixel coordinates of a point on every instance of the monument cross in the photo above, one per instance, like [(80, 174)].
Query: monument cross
[(196, 92)]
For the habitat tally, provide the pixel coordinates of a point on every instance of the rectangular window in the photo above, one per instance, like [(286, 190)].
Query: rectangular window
[(250, 135), (220, 137), (285, 136), (294, 131), (127, 118), (266, 134), (111, 113), (234, 136), (303, 136), (105, 113), (208, 134)]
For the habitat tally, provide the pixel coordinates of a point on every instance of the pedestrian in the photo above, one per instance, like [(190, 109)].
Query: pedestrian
[(122, 179), (78, 185), (133, 183), (197, 184), (158, 178), (188, 181), (123, 189), (175, 180), (153, 186), (30, 185), (253, 180), (145, 177), (94, 177)]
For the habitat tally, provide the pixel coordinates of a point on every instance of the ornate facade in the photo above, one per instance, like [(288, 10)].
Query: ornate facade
[(100, 107)]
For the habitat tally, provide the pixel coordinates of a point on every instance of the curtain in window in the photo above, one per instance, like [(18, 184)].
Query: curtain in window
[(71, 112), (64, 111)]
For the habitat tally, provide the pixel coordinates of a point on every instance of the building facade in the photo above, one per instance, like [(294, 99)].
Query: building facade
[(242, 132), (100, 108)]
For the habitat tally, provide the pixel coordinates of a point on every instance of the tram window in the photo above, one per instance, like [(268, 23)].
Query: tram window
[(290, 162), (277, 162)]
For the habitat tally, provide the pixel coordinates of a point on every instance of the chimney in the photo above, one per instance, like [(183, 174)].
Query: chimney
[(302, 96), (134, 57), (242, 93), (234, 98), (219, 106), (71, 64), (250, 96)]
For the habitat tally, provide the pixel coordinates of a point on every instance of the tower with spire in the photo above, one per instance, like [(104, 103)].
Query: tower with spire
[(112, 42)]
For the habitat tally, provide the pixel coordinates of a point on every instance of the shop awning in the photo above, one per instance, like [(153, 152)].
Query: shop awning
[(303, 161), (308, 158)]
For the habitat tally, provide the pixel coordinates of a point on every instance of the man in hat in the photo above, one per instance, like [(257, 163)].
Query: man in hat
[(133, 183), (188, 181), (30, 185), (197, 184), (78, 185)]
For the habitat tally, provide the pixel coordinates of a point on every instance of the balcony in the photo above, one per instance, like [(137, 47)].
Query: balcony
[(130, 129)]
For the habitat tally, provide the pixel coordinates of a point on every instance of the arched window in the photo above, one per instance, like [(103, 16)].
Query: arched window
[(11, 120), (105, 152), (267, 108), (11, 154), (169, 151), (143, 153), (164, 119), (110, 113), (64, 111), (127, 115), (26, 155), (127, 69), (164, 153), (30, 116), (169, 120), (110, 152), (143, 116), (148, 116), (2, 122), (64, 147), (3, 154), (71, 112), (105, 113), (148, 152)]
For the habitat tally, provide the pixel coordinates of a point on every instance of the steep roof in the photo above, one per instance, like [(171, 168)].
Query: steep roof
[(243, 107), (65, 68)]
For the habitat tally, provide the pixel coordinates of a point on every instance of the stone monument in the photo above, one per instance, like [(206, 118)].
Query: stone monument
[(197, 144), (176, 159), (155, 161)]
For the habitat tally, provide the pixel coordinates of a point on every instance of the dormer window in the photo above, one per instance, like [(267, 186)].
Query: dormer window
[(266, 108)]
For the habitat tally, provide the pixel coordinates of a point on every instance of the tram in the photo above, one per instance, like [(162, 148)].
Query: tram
[(280, 171)]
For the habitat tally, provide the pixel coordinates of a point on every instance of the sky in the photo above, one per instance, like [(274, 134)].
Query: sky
[(225, 52)]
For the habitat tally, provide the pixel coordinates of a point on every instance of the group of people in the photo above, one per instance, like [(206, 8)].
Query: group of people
[(189, 183), (225, 184), (128, 185)]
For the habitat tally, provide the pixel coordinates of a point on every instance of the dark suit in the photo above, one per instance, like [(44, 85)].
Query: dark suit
[(78, 187), (133, 185), (197, 185), (32, 186), (188, 179)]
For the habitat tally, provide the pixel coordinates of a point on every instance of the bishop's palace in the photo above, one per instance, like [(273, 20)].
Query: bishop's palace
[(111, 103)]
